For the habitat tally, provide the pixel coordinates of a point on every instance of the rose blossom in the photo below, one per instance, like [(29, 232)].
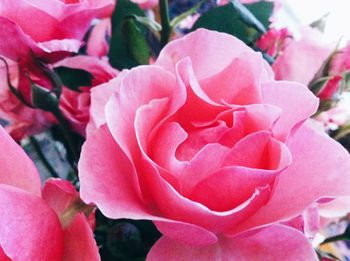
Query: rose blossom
[(75, 105), (302, 58), (210, 147), (47, 226)]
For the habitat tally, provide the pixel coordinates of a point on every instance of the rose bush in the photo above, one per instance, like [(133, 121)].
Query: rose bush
[(210, 147), (45, 225)]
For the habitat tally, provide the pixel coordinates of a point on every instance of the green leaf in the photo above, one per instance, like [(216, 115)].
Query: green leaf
[(136, 43), (247, 17), (119, 55), (317, 85), (262, 11), (151, 24), (44, 99), (223, 19), (320, 23), (178, 19), (235, 19), (74, 78)]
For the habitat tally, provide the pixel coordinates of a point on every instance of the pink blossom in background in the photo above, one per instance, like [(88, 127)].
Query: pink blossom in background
[(274, 41), (336, 116), (31, 56), (213, 150), (75, 105), (37, 225), (341, 61), (146, 4), (54, 32), (339, 67), (301, 59), (55, 19), (97, 44), (330, 88), (23, 120)]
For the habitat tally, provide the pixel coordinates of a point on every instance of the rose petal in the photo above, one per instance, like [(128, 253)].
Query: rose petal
[(260, 151), (173, 205), (186, 233), (55, 19), (59, 194), (16, 168), (267, 244), (79, 243), (135, 91), (17, 45), (20, 47), (3, 256), (237, 86), (118, 191), (99, 98), (30, 229), (310, 177), (219, 48), (296, 101)]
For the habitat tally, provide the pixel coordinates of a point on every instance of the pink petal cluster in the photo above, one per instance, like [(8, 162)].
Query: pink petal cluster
[(55, 30), (45, 225), (302, 58), (146, 4), (213, 150), (274, 41), (76, 105), (55, 19)]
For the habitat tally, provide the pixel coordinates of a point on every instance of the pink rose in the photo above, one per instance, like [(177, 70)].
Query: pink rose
[(75, 105), (49, 225), (211, 148), (301, 59)]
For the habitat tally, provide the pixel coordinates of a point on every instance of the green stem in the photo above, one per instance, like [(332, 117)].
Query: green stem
[(165, 21), (70, 143), (36, 146)]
